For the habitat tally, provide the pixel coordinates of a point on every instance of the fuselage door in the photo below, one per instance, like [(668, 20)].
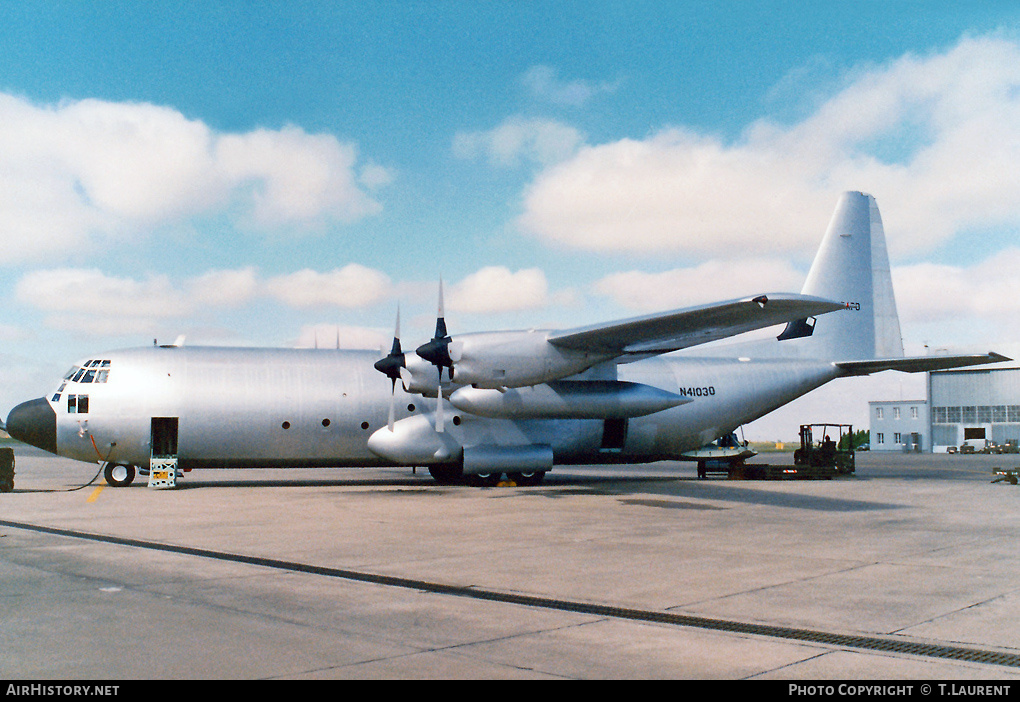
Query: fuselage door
[(614, 435), (163, 459)]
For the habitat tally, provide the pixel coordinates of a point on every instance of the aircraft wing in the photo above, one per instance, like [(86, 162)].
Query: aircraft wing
[(918, 364), (679, 329)]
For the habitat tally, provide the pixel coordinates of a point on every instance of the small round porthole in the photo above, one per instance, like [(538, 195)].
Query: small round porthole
[(364, 425), (325, 422), (410, 408), (286, 425), (456, 420)]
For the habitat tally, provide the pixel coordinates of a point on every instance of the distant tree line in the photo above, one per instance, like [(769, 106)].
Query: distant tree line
[(858, 439)]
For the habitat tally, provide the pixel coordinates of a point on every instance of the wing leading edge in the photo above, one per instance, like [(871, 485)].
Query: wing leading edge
[(680, 329)]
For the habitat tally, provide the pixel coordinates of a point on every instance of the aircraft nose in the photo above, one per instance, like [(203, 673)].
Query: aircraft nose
[(35, 423)]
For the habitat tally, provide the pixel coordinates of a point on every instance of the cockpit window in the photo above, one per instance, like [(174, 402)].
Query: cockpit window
[(92, 371)]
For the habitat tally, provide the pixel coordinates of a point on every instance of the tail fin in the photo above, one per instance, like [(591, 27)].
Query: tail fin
[(852, 266)]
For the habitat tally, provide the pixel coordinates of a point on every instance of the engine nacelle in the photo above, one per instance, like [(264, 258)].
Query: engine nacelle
[(414, 441), (567, 399), (420, 377), (514, 359)]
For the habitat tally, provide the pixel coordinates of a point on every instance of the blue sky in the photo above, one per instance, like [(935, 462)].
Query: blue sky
[(265, 173)]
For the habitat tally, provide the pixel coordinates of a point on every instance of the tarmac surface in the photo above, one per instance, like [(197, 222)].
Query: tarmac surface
[(907, 571)]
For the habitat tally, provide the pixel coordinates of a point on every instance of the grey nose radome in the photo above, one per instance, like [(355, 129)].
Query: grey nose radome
[(35, 423)]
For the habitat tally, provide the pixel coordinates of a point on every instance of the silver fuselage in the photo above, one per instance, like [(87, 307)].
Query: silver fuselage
[(290, 408)]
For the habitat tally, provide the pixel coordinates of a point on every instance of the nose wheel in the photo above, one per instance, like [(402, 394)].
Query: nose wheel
[(118, 475)]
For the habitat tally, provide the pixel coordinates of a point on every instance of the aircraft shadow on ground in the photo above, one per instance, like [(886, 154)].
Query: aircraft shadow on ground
[(635, 491)]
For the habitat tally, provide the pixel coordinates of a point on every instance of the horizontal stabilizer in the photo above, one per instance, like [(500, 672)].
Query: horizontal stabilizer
[(918, 364), (679, 329)]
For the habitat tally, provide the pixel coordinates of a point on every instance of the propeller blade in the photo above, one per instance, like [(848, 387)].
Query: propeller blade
[(393, 406), (437, 351), (392, 366), (440, 314), (440, 419)]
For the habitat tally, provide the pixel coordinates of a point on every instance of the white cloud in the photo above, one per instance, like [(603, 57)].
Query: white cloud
[(711, 281), (91, 291), (296, 177), (350, 287), (374, 176), (497, 289), (91, 167), (935, 138), (929, 292), (517, 139), (544, 83), (88, 300), (675, 191), (224, 288)]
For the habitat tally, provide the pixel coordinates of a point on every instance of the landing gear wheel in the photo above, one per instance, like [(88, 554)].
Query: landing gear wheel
[(447, 475), (117, 475), (483, 479), (527, 479)]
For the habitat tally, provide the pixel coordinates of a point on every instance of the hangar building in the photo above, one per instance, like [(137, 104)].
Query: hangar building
[(973, 407)]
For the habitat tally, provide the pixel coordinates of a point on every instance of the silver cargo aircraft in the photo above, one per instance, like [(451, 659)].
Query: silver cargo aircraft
[(471, 407)]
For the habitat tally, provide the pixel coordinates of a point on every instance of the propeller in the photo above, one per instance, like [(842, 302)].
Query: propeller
[(390, 366), (437, 352)]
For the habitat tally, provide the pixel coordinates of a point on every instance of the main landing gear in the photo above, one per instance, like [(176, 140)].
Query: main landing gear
[(454, 475)]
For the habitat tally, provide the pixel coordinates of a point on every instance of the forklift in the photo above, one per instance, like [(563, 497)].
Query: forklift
[(818, 450)]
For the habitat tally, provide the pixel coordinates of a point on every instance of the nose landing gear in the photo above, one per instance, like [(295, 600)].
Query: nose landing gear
[(118, 475)]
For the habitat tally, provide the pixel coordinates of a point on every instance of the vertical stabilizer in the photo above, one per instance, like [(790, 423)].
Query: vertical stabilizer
[(888, 338), (852, 266)]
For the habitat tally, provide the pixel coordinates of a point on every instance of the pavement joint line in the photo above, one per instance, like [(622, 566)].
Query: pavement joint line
[(872, 643)]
